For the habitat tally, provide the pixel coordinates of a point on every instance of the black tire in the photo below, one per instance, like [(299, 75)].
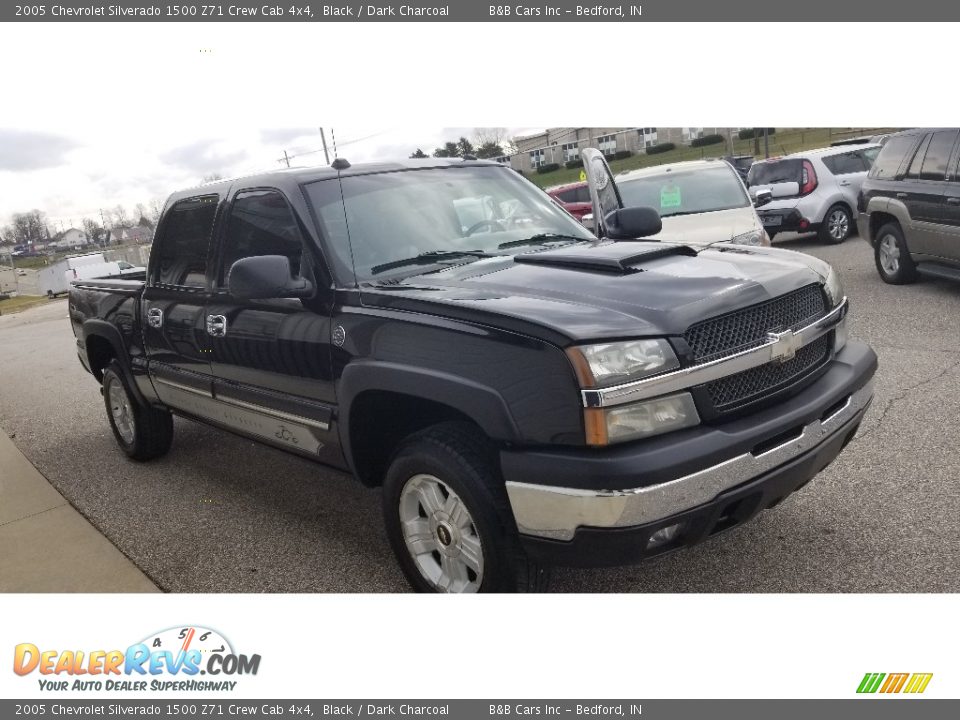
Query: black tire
[(460, 457), (152, 428), (844, 222), (49, 294), (905, 271)]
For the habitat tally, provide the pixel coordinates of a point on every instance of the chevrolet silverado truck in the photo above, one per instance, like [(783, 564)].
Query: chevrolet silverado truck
[(525, 394)]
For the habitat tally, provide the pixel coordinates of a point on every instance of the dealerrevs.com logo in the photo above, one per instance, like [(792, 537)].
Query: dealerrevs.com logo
[(172, 659), (893, 683)]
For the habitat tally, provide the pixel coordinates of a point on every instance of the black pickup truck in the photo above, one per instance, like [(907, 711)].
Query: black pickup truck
[(525, 394)]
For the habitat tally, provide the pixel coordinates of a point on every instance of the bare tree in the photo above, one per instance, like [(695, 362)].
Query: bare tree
[(93, 230), (155, 208), (120, 217), (212, 177), (496, 135), (29, 227)]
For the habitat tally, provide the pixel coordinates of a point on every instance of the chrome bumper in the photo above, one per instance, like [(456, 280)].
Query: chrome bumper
[(556, 513)]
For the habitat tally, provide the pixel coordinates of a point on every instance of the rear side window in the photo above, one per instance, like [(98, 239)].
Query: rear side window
[(938, 154), (914, 170), (261, 223), (891, 157), (568, 196), (845, 163), (184, 239), (775, 171)]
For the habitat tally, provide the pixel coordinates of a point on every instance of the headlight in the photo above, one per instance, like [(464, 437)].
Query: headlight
[(833, 288), (757, 238), (606, 426), (614, 363)]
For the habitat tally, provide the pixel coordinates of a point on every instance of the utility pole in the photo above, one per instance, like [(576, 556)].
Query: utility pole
[(323, 139), (286, 158), (766, 143), (103, 224)]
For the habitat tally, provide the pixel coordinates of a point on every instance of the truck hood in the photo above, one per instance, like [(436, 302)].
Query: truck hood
[(604, 290)]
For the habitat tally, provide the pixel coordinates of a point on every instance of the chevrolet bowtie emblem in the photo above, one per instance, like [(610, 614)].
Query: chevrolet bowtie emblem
[(785, 345)]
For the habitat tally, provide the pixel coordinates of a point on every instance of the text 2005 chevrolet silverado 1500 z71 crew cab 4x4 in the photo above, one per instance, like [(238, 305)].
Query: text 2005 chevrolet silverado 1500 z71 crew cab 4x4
[(525, 394)]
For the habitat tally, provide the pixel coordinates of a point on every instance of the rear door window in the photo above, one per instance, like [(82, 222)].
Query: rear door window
[(892, 156), (184, 241), (775, 171), (938, 154), (568, 196)]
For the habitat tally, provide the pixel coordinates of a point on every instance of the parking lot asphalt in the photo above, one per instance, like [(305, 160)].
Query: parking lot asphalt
[(223, 514)]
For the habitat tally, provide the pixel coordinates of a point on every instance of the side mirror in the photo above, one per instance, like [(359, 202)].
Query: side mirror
[(762, 197), (264, 277), (631, 223)]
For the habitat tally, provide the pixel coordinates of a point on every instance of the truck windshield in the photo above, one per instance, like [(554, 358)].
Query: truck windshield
[(685, 192), (437, 216)]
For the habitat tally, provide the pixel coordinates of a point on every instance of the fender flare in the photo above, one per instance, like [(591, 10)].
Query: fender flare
[(106, 331), (481, 403)]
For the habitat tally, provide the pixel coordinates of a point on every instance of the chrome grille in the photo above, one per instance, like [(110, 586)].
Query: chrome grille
[(737, 390), (748, 328)]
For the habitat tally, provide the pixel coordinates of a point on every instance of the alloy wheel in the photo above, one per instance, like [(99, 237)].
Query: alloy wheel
[(122, 411), (889, 252), (440, 535), (838, 224)]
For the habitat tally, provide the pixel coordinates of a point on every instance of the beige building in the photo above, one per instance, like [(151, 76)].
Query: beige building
[(562, 145)]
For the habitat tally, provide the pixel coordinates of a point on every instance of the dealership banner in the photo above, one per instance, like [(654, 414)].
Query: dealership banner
[(483, 11), (213, 706)]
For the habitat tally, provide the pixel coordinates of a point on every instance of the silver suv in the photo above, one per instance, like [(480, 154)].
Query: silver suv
[(813, 191)]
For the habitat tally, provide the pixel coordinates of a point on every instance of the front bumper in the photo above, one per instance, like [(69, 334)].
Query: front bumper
[(707, 480)]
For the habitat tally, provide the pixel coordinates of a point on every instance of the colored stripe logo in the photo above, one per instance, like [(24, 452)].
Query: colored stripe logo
[(912, 683)]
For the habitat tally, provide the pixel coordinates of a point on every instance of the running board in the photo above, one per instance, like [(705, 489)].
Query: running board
[(946, 272)]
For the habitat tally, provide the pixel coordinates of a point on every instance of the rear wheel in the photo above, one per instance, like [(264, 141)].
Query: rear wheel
[(448, 517), (892, 256), (142, 432), (837, 225)]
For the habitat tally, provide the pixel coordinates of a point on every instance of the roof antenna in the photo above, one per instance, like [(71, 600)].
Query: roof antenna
[(340, 163)]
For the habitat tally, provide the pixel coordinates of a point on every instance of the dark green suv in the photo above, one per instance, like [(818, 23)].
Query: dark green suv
[(909, 206)]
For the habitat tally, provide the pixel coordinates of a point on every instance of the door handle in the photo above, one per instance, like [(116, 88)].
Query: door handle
[(216, 325), (155, 317), (844, 183)]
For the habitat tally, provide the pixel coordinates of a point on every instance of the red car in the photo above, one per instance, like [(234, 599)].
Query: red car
[(575, 198)]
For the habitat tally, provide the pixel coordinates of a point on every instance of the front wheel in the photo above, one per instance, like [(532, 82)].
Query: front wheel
[(893, 257), (448, 517), (142, 432), (837, 225)]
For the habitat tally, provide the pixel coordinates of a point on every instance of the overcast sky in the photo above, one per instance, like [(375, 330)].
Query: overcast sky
[(72, 174)]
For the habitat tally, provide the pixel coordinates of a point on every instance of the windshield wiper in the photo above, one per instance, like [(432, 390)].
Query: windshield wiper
[(541, 239), (428, 258)]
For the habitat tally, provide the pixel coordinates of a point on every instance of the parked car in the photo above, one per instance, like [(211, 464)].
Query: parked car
[(21, 272), (910, 206), (741, 163), (813, 191), (525, 394), (574, 197), (700, 202)]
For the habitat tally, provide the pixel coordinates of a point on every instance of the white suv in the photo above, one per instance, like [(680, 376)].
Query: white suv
[(813, 191)]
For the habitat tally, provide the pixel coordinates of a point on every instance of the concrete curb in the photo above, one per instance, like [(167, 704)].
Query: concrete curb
[(46, 545)]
